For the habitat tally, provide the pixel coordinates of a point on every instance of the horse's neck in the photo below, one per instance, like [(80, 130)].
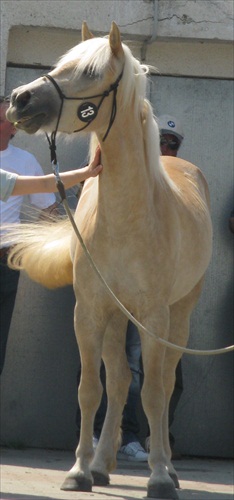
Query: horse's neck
[(126, 180)]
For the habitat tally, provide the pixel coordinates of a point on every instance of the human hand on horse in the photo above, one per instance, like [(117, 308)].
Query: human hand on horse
[(95, 167)]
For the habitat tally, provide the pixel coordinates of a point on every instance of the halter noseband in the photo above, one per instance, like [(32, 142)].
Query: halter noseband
[(87, 111)]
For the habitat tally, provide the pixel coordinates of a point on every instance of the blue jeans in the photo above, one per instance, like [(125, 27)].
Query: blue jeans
[(130, 424)]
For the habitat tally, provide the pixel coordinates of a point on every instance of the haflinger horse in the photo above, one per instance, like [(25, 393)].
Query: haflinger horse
[(146, 222)]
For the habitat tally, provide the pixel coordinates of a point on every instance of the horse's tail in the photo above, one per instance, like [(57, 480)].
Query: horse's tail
[(43, 250)]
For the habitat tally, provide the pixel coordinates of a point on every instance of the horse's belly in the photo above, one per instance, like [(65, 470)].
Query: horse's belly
[(191, 269)]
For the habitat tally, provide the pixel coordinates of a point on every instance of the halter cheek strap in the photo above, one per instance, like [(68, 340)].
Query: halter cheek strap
[(87, 111)]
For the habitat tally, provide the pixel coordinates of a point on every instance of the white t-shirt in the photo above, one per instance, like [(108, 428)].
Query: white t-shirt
[(7, 183), (21, 162)]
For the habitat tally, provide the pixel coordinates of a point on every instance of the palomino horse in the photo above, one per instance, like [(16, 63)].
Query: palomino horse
[(146, 223)]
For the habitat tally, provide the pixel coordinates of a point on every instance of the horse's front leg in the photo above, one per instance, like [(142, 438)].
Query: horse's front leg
[(89, 337), (160, 484), (118, 378)]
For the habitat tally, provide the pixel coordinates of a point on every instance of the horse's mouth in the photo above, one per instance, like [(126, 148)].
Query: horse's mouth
[(30, 124)]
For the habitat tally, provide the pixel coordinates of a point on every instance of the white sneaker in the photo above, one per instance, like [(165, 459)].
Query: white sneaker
[(95, 442), (133, 452)]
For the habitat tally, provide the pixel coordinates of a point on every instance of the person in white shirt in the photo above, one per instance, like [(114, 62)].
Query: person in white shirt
[(21, 174), (18, 162)]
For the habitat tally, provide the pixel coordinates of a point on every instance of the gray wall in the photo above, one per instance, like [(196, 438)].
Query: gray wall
[(139, 20), (204, 419), (39, 380)]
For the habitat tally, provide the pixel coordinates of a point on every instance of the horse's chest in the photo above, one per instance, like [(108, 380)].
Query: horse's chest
[(128, 269)]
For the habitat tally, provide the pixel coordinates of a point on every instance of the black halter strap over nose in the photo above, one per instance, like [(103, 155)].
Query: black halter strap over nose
[(86, 112)]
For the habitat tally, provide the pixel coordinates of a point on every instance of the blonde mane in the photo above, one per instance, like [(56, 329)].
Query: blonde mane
[(94, 56)]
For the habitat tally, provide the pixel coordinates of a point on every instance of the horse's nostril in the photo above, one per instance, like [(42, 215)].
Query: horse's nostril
[(23, 98)]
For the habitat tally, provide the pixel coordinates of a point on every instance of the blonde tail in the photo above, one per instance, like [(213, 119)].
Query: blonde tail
[(42, 250)]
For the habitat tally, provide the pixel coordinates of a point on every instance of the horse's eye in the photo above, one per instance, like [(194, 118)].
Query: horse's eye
[(88, 72)]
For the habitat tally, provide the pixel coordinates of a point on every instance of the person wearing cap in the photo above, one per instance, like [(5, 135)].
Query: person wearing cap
[(171, 135), (21, 174)]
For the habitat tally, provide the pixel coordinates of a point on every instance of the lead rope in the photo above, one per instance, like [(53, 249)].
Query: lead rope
[(164, 342)]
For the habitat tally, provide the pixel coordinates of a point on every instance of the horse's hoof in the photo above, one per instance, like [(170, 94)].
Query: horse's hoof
[(99, 479), (162, 491), (77, 484), (175, 480)]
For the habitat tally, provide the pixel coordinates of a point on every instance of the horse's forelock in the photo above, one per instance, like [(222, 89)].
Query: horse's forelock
[(92, 54)]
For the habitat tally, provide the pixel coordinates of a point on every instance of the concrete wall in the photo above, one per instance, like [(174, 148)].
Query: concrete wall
[(38, 394), (140, 20), (204, 418)]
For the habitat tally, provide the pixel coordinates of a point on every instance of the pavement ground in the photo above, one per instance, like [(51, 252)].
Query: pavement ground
[(35, 474)]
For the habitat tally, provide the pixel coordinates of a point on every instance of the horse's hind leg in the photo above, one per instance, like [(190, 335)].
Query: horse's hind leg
[(156, 397), (89, 337), (118, 378), (179, 332), (160, 484)]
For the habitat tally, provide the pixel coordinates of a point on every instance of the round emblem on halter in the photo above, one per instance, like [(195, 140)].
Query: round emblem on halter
[(87, 111)]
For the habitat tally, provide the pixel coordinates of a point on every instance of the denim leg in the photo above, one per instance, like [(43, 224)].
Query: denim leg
[(78, 412), (8, 289), (130, 425), (176, 395)]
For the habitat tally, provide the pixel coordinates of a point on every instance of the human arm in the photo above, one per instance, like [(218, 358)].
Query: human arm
[(47, 183)]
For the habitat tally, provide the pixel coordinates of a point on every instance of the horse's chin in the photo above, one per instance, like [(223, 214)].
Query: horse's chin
[(31, 125)]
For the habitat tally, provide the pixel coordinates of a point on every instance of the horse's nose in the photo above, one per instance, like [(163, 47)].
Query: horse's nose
[(21, 99)]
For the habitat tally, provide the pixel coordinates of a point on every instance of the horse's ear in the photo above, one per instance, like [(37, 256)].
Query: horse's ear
[(86, 34), (115, 40)]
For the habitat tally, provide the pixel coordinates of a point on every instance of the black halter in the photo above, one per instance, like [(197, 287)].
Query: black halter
[(87, 111)]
